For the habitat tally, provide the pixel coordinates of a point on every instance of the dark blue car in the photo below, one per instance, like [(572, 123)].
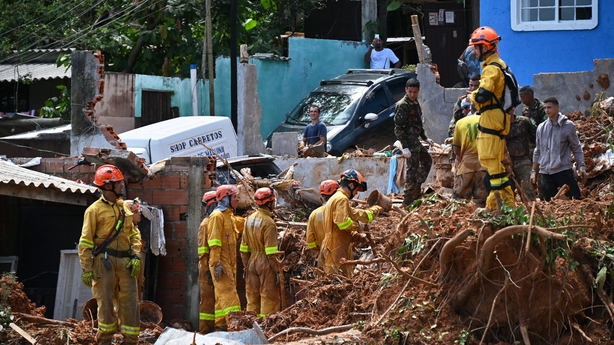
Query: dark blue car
[(344, 104)]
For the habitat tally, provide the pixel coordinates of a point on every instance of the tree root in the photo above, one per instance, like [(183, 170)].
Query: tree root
[(485, 258), (323, 331), (448, 248)]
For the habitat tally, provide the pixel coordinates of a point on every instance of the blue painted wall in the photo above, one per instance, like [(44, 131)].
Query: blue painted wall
[(281, 84), (530, 53)]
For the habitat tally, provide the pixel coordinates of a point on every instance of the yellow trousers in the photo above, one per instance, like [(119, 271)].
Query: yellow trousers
[(104, 290), (207, 299)]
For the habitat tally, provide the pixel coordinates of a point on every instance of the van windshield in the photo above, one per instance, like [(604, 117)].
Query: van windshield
[(337, 103)]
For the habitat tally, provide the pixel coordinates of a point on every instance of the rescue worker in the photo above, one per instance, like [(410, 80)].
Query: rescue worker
[(135, 207), (222, 243), (494, 122), (458, 112), (109, 255), (315, 223), (340, 222), (258, 253), (533, 108), (205, 281), (519, 142), (469, 179), (408, 130)]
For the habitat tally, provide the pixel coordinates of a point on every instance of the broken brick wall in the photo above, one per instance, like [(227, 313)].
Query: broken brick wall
[(170, 190)]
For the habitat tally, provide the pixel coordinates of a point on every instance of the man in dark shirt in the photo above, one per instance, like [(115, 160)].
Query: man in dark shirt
[(533, 108), (408, 130), (315, 132), (520, 142), (474, 83)]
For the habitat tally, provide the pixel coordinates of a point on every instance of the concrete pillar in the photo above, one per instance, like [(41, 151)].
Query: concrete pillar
[(84, 84), (437, 104), (195, 194), (249, 111)]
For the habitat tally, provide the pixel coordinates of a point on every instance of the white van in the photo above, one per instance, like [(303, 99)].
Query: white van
[(183, 136)]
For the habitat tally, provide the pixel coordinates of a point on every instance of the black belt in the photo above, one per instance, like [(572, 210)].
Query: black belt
[(118, 253)]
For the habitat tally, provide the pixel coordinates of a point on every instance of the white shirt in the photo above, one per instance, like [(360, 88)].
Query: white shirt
[(382, 59)]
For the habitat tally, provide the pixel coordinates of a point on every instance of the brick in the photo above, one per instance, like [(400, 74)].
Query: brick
[(175, 297), (171, 213), (184, 181), (168, 229), (171, 280), (175, 247), (180, 168), (170, 181), (144, 195), (180, 161), (54, 166), (181, 229), (171, 312), (170, 197), (152, 183)]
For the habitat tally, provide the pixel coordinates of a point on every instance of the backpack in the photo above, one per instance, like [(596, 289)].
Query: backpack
[(511, 97)]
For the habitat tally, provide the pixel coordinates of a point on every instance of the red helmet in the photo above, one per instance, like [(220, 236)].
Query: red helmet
[(265, 195), (354, 176), (486, 36), (209, 198), (225, 190), (328, 187), (107, 173), (133, 205)]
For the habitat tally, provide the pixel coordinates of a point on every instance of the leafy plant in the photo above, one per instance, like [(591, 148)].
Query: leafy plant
[(6, 317), (58, 106), (414, 244), (464, 337), (386, 279)]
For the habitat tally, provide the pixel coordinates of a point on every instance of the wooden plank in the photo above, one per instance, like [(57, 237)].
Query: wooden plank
[(23, 333)]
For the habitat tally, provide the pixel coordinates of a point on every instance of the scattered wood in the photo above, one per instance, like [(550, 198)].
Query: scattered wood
[(328, 330), (560, 195), (42, 320), (344, 262), (23, 333)]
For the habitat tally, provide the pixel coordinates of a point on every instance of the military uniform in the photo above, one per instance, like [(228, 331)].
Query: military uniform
[(457, 115), (100, 221), (535, 113), (408, 130), (258, 249), (520, 141)]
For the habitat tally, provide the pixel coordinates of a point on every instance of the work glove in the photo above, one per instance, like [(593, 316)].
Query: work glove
[(582, 173), (533, 177), (135, 265), (430, 141), (218, 271), (88, 278), (376, 210)]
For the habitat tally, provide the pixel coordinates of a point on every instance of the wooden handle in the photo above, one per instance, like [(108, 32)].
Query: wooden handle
[(23, 333)]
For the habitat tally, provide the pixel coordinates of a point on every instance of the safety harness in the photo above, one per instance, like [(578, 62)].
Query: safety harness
[(497, 104)]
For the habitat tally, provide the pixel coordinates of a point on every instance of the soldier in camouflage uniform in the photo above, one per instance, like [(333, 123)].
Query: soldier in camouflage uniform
[(474, 83), (408, 130), (533, 108), (520, 142)]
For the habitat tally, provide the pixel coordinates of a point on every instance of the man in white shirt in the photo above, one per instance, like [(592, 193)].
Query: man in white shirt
[(379, 57)]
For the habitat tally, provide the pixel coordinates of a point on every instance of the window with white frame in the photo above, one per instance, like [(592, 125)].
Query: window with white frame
[(542, 15)]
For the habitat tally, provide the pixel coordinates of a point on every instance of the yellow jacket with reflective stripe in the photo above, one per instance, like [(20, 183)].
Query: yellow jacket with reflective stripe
[(315, 228), (222, 240), (260, 235), (203, 247), (99, 221)]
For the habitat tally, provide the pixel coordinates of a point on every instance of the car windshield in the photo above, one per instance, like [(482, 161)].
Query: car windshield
[(337, 102)]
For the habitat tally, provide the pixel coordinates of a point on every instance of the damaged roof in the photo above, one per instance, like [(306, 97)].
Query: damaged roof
[(34, 72), (21, 182)]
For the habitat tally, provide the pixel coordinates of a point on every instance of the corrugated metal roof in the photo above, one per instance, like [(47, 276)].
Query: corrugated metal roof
[(13, 174), (37, 71)]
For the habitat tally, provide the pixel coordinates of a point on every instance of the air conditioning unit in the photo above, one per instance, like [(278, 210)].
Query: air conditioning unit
[(70, 293)]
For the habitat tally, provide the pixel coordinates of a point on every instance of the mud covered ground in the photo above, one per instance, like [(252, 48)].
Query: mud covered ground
[(445, 273)]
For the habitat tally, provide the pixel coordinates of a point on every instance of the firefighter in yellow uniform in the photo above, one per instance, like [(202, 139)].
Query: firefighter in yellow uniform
[(340, 222), (207, 294), (222, 243), (135, 207), (109, 255), (315, 223), (258, 250), (494, 122)]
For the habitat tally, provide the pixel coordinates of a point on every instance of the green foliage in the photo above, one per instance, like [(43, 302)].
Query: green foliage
[(463, 337), (603, 252), (6, 317), (58, 106), (414, 244), (140, 36), (386, 279)]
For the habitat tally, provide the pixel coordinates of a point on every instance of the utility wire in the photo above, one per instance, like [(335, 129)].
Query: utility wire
[(79, 35)]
